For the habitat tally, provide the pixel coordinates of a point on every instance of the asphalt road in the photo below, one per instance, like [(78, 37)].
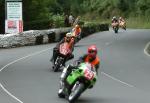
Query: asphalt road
[(124, 74)]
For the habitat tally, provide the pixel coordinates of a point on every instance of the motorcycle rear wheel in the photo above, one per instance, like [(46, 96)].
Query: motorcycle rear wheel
[(55, 68)]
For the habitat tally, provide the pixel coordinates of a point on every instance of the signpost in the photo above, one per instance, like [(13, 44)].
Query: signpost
[(13, 16)]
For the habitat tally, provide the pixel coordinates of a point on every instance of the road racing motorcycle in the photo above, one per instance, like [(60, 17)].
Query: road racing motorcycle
[(115, 27), (81, 78), (64, 52), (122, 24)]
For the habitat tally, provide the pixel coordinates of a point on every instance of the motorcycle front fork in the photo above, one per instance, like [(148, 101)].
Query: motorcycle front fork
[(64, 74), (63, 89)]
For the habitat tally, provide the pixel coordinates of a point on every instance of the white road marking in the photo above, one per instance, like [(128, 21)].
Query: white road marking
[(10, 93), (117, 79), (39, 53), (145, 49), (4, 89)]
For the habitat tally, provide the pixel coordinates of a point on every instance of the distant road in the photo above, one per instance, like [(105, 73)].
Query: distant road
[(124, 75)]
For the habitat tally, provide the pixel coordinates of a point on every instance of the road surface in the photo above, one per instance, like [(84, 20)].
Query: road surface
[(124, 74)]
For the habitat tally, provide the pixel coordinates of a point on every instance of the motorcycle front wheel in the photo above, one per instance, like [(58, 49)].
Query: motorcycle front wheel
[(116, 30), (61, 93), (76, 91)]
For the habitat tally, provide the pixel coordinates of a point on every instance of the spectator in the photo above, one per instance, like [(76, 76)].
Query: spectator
[(76, 22), (71, 20), (66, 21)]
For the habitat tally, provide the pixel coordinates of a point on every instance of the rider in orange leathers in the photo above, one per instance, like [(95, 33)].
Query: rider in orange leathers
[(91, 57), (70, 40), (76, 32), (122, 23)]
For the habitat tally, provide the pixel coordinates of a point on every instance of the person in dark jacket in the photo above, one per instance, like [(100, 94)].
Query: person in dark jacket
[(66, 21)]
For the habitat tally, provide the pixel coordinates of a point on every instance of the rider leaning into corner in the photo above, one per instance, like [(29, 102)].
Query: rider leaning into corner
[(77, 31), (122, 22), (67, 39), (121, 19), (114, 20), (90, 57)]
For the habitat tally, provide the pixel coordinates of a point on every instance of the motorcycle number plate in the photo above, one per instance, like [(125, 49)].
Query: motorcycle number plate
[(88, 74), (63, 50)]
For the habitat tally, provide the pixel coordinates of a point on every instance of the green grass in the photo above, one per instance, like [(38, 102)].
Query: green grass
[(131, 22), (138, 22)]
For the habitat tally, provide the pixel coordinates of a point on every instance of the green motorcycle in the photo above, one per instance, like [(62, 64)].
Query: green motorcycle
[(81, 78)]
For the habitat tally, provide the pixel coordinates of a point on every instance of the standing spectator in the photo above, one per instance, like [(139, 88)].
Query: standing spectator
[(76, 22), (66, 21), (71, 20)]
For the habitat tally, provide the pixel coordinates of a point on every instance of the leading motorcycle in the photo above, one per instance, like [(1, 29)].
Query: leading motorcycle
[(115, 27), (81, 78)]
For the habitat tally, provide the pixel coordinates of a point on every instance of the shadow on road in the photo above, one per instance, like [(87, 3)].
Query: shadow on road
[(100, 100)]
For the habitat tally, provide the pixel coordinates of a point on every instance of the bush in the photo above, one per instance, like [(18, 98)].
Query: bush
[(37, 25), (54, 21), (91, 27), (57, 20)]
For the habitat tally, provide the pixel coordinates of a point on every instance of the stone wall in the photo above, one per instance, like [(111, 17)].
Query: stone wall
[(36, 37), (31, 37)]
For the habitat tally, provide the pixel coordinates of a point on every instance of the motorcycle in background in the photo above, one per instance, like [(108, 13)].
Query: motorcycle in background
[(122, 24), (64, 52), (115, 27)]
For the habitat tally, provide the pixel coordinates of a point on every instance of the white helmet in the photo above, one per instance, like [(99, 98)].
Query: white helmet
[(120, 17), (114, 17), (69, 34)]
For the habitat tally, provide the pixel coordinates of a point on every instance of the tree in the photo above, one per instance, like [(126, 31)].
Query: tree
[(2, 16), (143, 7)]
